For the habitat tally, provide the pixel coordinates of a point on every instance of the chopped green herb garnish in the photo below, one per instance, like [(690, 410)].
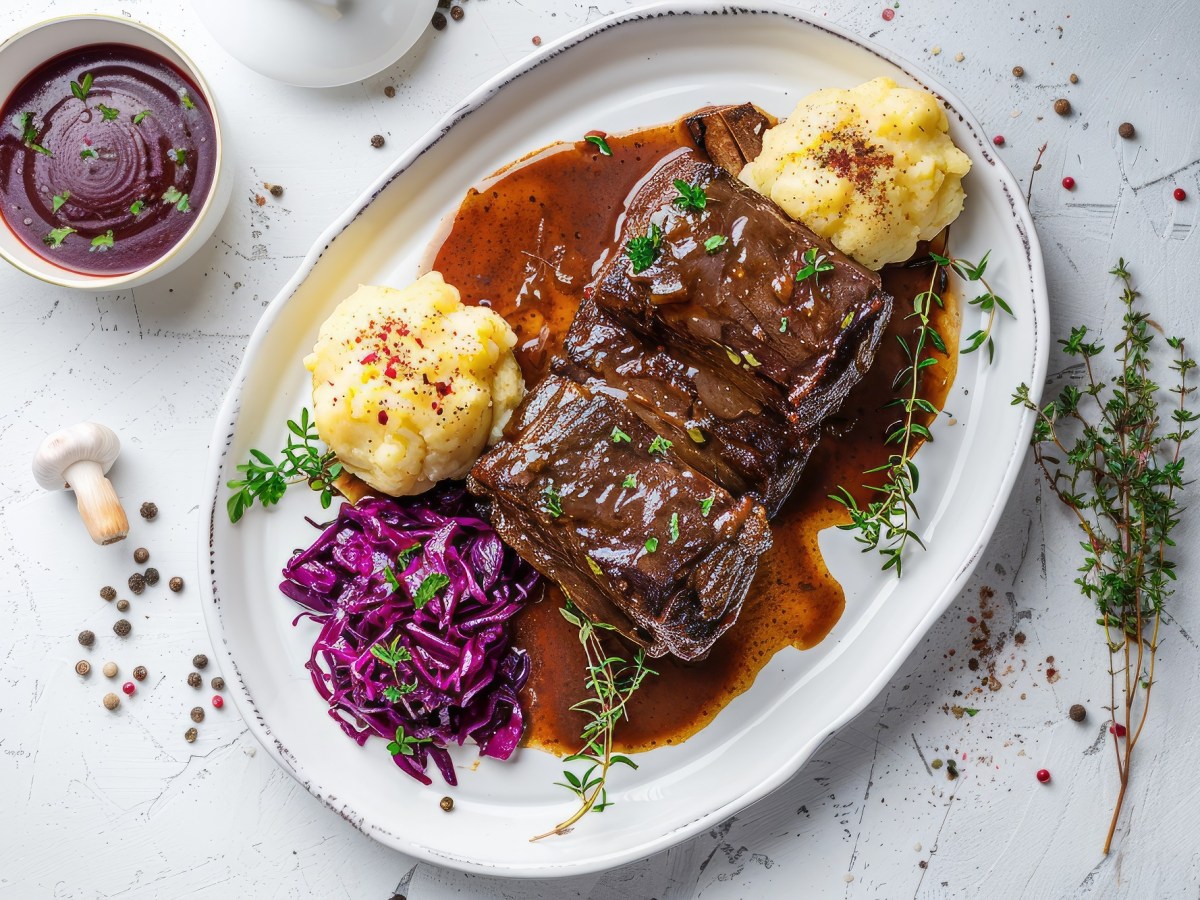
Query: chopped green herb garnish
[(390, 577), (406, 556), (815, 262), (186, 101), (108, 112), (643, 250), (137, 206), (58, 235), (630, 481), (618, 435), (29, 135), (673, 529), (404, 743), (137, 117), (697, 435), (594, 566), (690, 196), (706, 504), (173, 195), (391, 654), (783, 325), (102, 241), (59, 200), (430, 587), (551, 500), (88, 153), (651, 545), (660, 444), (82, 87), (601, 144), (715, 243), (846, 321), (393, 693), (970, 711), (751, 359), (178, 156)]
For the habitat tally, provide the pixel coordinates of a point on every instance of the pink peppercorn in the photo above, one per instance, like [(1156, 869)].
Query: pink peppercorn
[(889, 14), (1069, 183), (1180, 194), (129, 687), (1043, 775), (218, 701), (1117, 728), (998, 140)]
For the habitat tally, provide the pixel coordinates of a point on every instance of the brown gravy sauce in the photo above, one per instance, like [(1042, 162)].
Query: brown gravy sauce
[(524, 242)]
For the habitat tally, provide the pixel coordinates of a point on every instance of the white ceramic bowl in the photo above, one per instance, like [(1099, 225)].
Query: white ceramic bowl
[(28, 49), (316, 43)]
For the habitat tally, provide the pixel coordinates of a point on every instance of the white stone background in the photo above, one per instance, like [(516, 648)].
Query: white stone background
[(102, 805)]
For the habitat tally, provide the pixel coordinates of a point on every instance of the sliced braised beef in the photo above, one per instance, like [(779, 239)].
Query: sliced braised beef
[(798, 346), (722, 431), (590, 495), (732, 136)]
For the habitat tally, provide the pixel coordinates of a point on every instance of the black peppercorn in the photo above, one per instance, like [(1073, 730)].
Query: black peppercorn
[(1062, 106), (194, 680), (140, 673), (137, 582), (108, 592), (218, 683), (447, 803), (1018, 71), (1125, 130), (389, 91), (122, 627), (151, 575), (276, 190), (190, 735), (197, 713), (456, 13), (122, 605), (199, 660), (175, 584), (140, 555), (148, 510), (1077, 713), (377, 141), (439, 21), (87, 638)]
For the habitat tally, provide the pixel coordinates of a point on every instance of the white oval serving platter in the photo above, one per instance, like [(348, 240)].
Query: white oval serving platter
[(637, 68)]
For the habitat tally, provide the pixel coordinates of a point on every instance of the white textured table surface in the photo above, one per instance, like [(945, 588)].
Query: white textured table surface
[(104, 805)]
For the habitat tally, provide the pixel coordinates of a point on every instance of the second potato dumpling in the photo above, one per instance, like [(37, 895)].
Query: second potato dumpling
[(410, 386)]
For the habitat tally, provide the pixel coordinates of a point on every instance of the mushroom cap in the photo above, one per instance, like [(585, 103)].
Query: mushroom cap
[(84, 441)]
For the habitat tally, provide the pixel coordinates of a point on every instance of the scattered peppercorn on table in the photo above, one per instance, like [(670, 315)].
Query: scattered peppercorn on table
[(980, 770)]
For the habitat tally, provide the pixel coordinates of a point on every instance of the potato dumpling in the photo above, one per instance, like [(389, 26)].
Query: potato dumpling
[(410, 386), (871, 168)]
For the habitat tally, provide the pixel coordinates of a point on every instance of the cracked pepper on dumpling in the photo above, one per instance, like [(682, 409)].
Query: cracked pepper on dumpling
[(410, 386)]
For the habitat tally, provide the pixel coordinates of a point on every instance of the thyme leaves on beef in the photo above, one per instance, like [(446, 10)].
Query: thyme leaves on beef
[(1104, 451)]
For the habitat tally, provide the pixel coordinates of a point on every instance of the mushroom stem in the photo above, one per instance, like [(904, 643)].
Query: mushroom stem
[(98, 503)]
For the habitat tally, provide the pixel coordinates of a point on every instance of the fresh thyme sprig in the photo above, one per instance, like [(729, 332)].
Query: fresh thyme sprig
[(612, 680), (989, 301), (1119, 479), (303, 460)]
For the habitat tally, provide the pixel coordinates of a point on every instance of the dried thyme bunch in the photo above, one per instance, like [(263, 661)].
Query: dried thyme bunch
[(1112, 453)]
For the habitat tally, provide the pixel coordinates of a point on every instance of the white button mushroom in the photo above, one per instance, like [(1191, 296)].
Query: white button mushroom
[(77, 458)]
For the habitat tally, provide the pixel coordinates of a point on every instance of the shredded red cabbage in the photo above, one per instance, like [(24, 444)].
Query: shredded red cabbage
[(419, 678)]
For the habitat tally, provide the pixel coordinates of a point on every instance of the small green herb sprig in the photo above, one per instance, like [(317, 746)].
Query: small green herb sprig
[(816, 264), (1104, 451), (599, 143), (405, 744), (29, 133), (303, 460), (643, 250), (612, 680), (82, 87), (988, 301), (690, 196)]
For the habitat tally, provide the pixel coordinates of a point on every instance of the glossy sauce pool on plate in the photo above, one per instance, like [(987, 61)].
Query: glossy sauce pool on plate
[(525, 242), (107, 153)]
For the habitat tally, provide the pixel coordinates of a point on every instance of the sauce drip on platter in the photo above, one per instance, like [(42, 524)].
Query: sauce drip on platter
[(106, 154), (525, 242)]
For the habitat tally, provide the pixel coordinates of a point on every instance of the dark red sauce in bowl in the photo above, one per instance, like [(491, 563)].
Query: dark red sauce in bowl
[(103, 175)]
